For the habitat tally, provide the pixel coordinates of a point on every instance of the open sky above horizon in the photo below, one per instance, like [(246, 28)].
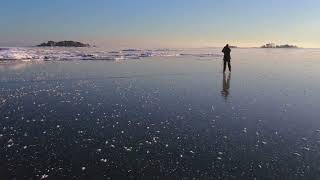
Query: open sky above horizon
[(153, 23)]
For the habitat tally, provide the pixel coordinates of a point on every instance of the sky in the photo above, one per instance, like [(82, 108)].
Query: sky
[(161, 23)]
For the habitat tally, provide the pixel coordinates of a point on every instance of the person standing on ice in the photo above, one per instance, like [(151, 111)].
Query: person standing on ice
[(226, 58)]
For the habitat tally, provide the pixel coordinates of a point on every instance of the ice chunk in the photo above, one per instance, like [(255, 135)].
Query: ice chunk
[(44, 176)]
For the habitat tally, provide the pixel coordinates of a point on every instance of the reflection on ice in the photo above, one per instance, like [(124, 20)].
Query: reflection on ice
[(226, 85)]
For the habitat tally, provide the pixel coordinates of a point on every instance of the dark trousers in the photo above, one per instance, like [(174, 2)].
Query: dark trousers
[(225, 65)]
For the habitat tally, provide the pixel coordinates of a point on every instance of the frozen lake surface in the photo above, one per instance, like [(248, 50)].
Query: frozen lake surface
[(160, 116)]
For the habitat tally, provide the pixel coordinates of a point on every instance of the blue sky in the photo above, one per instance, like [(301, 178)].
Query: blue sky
[(161, 23)]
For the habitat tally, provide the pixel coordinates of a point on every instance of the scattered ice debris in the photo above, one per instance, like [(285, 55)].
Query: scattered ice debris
[(83, 168), (263, 142), (103, 160), (192, 142), (318, 130), (245, 130), (306, 148), (305, 139), (154, 139), (127, 148), (297, 154), (9, 145), (44, 176)]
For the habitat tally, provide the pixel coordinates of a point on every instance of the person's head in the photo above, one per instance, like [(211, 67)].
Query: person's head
[(227, 45)]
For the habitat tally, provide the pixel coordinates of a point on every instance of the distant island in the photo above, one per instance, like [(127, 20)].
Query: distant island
[(272, 45), (63, 44)]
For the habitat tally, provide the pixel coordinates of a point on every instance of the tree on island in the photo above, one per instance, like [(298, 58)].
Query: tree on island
[(63, 44), (273, 45)]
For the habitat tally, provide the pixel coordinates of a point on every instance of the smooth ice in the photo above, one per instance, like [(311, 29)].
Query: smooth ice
[(162, 117)]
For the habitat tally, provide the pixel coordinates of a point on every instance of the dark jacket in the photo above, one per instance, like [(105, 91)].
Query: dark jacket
[(227, 53)]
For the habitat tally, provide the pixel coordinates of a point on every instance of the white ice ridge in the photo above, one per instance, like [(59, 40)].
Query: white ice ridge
[(52, 54), (14, 54)]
